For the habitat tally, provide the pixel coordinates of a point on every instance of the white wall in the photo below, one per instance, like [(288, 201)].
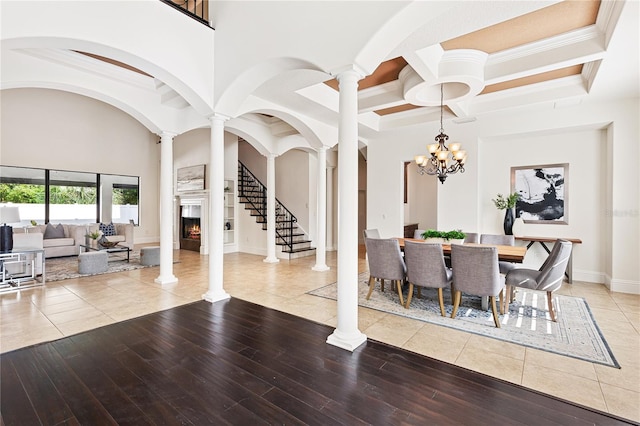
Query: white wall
[(52, 129), (584, 187), (604, 199)]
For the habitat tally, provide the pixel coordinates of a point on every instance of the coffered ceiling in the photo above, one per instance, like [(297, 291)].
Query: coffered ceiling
[(522, 54)]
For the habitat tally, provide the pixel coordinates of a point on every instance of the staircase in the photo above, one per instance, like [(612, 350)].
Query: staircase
[(253, 194)]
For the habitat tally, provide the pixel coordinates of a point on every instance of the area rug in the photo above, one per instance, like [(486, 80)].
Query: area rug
[(64, 268), (527, 323)]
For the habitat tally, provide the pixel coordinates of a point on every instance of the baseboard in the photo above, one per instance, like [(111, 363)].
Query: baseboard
[(623, 286), (589, 276)]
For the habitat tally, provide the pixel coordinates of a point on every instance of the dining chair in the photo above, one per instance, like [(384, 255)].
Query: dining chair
[(500, 240), (385, 263), (548, 278), (471, 237), (476, 271), (426, 268), (371, 233), (417, 234)]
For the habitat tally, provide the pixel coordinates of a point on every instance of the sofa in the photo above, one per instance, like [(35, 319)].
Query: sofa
[(65, 239)]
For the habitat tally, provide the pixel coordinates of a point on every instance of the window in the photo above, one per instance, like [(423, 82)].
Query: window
[(70, 197)]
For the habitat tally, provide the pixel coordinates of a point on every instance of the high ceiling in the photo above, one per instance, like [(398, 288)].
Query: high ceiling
[(557, 55)]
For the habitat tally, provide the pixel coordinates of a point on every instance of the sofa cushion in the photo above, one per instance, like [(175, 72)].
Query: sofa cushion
[(115, 238), (54, 231), (108, 229), (58, 242)]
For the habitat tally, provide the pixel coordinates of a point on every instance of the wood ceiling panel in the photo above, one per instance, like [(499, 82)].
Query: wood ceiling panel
[(547, 22), (532, 79)]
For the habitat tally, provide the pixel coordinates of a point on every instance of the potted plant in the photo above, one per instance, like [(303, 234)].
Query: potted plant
[(507, 204), (433, 236), (455, 237)]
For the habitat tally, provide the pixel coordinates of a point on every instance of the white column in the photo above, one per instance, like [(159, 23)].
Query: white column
[(321, 245), (347, 335), (271, 209), (216, 211), (166, 209), (330, 230)]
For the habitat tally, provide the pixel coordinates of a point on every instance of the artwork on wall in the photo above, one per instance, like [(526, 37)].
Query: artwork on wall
[(190, 178), (543, 193)]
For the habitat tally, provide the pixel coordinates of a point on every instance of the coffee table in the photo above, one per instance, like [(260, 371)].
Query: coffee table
[(112, 250)]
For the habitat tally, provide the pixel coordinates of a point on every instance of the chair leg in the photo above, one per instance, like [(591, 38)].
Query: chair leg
[(502, 301), (552, 313), (372, 284), (441, 300), (492, 299), (399, 291), (419, 292), (406, 306), (507, 298), (382, 285), (456, 303)]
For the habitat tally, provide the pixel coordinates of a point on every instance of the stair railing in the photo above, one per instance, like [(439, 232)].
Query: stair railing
[(252, 190), (196, 9)]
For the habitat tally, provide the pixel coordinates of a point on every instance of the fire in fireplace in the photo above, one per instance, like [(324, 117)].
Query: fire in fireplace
[(190, 227)]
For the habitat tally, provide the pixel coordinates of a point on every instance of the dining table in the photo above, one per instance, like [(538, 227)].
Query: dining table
[(513, 254)]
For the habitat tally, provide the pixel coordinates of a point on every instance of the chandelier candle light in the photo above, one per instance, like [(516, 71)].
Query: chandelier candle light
[(439, 163)]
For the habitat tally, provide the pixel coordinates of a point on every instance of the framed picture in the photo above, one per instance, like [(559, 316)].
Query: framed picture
[(544, 193), (190, 178)]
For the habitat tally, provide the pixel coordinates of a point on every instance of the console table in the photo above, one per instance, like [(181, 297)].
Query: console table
[(18, 269), (542, 240)]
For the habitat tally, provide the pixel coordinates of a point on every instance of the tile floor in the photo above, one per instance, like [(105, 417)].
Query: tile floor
[(68, 307)]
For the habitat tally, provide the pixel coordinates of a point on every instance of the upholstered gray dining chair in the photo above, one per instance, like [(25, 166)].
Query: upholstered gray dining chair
[(500, 240), (385, 263), (471, 237), (426, 268), (548, 278), (475, 271), (417, 234)]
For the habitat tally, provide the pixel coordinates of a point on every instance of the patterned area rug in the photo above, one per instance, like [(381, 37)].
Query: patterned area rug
[(64, 268), (527, 323)]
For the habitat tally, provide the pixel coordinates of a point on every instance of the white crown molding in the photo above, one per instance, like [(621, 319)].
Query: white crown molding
[(383, 96), (608, 15), (589, 71), (542, 46)]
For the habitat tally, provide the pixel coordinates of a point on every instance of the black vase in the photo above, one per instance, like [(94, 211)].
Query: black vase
[(508, 222), (6, 238)]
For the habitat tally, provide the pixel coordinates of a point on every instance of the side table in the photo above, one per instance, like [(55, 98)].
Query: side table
[(18, 269)]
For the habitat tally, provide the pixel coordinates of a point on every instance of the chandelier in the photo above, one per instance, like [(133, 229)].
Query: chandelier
[(443, 160)]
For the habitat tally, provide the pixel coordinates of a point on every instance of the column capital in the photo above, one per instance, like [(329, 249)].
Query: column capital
[(350, 71), (216, 116), (166, 134)]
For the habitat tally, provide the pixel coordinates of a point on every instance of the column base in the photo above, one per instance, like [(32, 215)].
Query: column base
[(169, 279), (320, 268), (213, 296), (271, 260), (349, 343)]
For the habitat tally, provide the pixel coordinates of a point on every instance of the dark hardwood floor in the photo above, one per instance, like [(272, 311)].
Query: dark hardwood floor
[(235, 362)]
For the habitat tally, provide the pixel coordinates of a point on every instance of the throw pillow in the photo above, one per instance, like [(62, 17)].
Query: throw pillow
[(53, 231), (108, 229)]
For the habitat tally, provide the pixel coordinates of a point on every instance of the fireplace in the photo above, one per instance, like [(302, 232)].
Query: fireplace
[(190, 227)]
